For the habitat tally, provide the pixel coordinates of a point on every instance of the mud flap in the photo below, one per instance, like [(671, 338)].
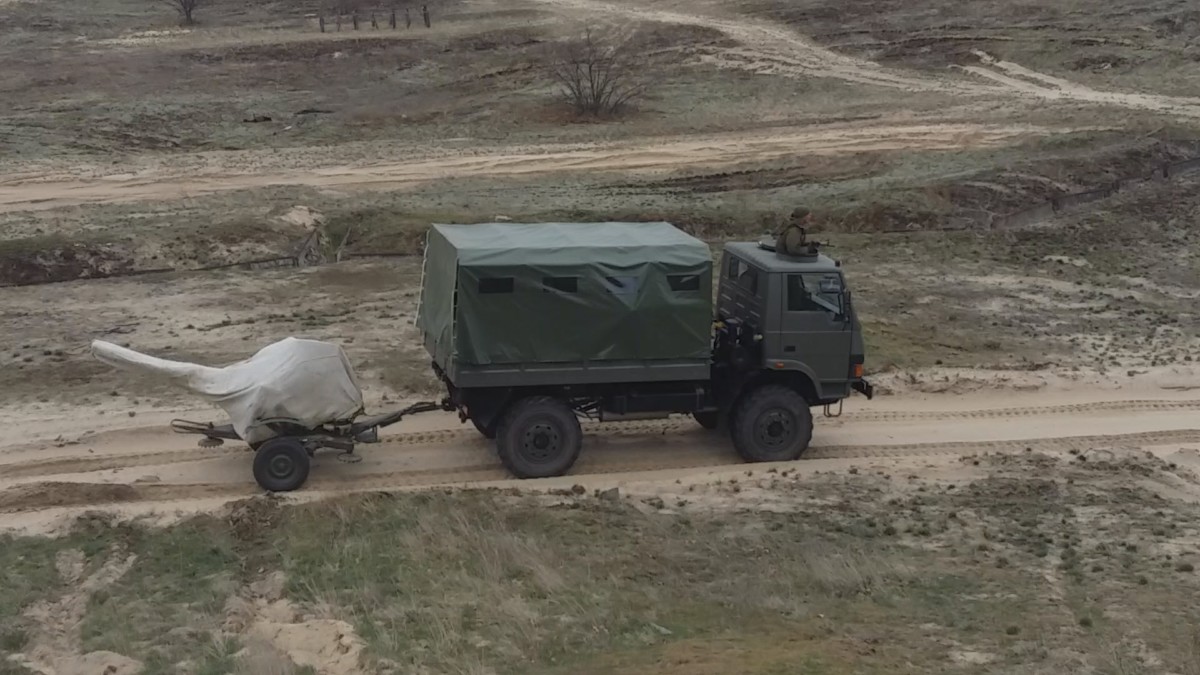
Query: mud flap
[(863, 387)]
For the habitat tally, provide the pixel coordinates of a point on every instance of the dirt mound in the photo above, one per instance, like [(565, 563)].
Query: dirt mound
[(250, 518), (40, 262), (47, 495)]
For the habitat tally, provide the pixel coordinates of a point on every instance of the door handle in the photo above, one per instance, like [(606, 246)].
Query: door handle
[(790, 348)]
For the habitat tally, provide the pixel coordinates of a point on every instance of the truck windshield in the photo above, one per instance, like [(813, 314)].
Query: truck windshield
[(814, 292)]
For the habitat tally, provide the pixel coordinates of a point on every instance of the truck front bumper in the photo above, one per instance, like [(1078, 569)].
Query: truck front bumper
[(863, 387)]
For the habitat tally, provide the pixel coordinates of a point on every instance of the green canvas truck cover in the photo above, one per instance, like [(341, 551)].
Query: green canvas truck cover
[(540, 293)]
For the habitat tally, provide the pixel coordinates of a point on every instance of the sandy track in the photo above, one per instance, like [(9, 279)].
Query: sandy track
[(120, 469), (1020, 79), (770, 48), (35, 192), (66, 459)]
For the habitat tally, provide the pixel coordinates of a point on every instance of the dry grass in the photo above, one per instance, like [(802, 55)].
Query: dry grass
[(858, 574)]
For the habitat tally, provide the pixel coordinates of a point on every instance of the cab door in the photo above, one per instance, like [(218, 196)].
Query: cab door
[(815, 329)]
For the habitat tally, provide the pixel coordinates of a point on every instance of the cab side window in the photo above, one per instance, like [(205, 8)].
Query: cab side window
[(814, 293), (742, 275)]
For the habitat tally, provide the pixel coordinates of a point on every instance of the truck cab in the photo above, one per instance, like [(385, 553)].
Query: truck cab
[(794, 320)]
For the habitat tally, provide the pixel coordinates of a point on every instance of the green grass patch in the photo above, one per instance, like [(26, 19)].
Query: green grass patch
[(168, 606)]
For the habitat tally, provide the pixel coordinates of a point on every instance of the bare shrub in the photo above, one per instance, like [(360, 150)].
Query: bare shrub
[(597, 73), (186, 9)]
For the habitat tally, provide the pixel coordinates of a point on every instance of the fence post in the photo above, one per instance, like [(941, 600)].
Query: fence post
[(392, 22), (321, 21), (425, 14), (354, 18), (407, 18), (374, 22), (339, 23)]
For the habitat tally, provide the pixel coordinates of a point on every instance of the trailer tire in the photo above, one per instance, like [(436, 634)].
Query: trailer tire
[(281, 465), (539, 437), (771, 424)]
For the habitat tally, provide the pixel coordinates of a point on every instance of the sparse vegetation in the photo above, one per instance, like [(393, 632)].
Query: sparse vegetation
[(518, 585), (599, 73)]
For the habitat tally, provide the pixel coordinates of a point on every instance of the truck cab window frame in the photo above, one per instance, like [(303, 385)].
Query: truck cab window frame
[(814, 292)]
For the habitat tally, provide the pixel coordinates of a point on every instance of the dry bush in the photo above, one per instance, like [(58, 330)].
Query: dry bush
[(598, 73), (186, 9)]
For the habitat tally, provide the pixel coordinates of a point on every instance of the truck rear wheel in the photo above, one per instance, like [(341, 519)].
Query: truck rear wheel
[(539, 437), (772, 424)]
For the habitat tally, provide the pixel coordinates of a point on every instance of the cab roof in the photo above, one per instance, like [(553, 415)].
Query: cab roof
[(772, 262)]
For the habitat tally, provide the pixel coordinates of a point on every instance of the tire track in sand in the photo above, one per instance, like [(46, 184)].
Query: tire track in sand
[(1056, 444), (67, 465), (774, 49), (628, 157), (43, 495)]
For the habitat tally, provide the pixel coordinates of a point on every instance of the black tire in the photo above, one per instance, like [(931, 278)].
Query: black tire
[(281, 465), (539, 437), (771, 424), (709, 419), (487, 432)]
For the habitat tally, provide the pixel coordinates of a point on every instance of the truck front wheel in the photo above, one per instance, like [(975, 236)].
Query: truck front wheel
[(539, 437), (772, 424)]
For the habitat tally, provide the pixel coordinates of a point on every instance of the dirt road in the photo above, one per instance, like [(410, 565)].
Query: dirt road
[(228, 171), (769, 48), (145, 470)]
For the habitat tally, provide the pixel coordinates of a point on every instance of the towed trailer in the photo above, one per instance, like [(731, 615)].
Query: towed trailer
[(287, 401), (282, 462)]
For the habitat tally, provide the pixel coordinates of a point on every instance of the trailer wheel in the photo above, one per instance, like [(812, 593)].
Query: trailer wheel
[(709, 419), (772, 424), (281, 465), (539, 437)]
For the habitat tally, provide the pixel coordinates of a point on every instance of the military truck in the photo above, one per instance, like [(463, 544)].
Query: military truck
[(532, 326)]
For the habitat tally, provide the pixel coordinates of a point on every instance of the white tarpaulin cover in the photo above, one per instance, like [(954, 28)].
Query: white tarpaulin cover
[(308, 381)]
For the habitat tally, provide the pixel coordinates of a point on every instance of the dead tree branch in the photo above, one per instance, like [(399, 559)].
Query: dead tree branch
[(186, 9), (597, 74)]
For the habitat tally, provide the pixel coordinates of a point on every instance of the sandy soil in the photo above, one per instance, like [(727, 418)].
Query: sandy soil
[(232, 171), (770, 48), (145, 471)]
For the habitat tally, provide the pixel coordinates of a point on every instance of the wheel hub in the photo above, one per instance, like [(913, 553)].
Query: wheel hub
[(281, 466), (775, 428), (542, 442)]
